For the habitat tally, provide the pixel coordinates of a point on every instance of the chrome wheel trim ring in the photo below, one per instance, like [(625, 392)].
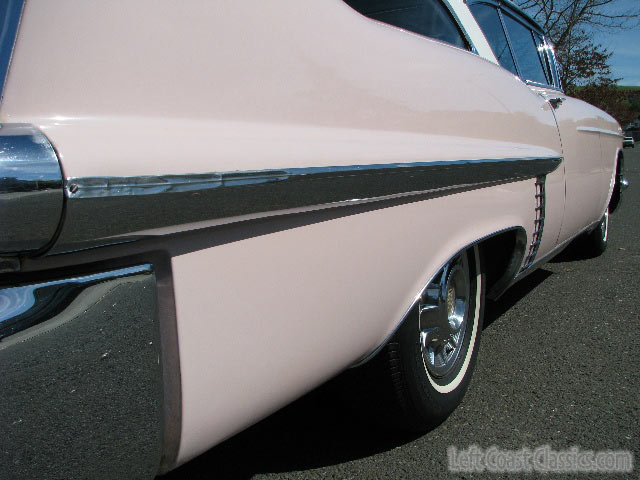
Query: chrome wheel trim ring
[(605, 225), (443, 317)]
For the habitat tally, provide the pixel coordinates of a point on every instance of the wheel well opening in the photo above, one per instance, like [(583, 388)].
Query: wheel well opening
[(502, 256)]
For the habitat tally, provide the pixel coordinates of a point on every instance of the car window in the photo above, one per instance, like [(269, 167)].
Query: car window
[(10, 11), (490, 24), (426, 17), (525, 50), (554, 67), (544, 58)]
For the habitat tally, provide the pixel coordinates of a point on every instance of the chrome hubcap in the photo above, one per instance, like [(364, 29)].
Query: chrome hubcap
[(443, 313), (605, 225)]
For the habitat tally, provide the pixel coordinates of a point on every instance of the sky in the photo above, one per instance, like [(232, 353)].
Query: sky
[(625, 45)]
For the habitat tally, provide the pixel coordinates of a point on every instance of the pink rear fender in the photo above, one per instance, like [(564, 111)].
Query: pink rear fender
[(271, 317)]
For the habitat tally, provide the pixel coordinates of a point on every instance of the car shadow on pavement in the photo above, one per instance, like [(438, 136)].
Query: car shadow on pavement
[(319, 429), (575, 253), (495, 309), (315, 431)]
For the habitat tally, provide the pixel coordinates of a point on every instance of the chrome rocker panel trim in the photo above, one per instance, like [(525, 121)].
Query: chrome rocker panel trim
[(81, 385), (109, 210), (31, 196)]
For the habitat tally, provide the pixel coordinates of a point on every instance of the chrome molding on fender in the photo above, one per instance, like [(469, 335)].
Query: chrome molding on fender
[(600, 130), (31, 196), (108, 210)]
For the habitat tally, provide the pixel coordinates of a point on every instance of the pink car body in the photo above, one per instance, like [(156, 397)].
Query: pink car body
[(253, 121)]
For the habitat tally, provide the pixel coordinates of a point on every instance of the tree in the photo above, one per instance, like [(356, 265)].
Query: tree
[(561, 19), (608, 97), (582, 62), (571, 24)]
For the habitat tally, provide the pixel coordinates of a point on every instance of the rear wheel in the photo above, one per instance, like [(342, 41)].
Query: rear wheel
[(594, 243), (421, 376)]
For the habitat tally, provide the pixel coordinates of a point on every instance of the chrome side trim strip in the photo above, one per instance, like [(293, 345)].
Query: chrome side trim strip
[(600, 130), (31, 195), (107, 210), (81, 386), (92, 187)]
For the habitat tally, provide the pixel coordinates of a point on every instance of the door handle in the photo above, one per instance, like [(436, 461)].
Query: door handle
[(556, 102)]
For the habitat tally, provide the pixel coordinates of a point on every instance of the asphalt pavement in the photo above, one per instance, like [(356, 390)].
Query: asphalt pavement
[(558, 365)]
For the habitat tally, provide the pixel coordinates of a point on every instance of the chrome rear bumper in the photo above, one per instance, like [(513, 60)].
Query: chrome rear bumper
[(81, 383)]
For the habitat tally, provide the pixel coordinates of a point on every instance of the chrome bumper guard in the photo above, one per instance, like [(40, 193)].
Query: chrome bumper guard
[(621, 184), (31, 189), (624, 184), (81, 382)]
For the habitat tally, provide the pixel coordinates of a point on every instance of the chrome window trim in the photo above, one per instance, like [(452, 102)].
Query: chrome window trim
[(514, 10), (109, 210), (508, 36), (31, 189), (470, 47), (551, 59), (543, 85), (520, 16), (486, 37), (454, 15), (502, 12), (544, 56), (554, 66)]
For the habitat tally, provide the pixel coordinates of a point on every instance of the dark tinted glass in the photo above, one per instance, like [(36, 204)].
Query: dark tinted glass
[(525, 49), (10, 11), (544, 59), (426, 17), (489, 21)]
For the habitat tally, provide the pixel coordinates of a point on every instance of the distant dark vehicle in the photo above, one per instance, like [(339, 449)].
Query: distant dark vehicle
[(628, 142)]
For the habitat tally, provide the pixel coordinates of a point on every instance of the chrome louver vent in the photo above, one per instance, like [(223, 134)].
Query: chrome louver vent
[(538, 224)]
